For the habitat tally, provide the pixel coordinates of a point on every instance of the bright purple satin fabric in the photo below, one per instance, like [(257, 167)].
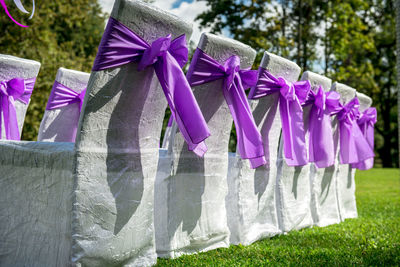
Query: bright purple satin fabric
[(204, 69), (120, 45), (321, 147), (15, 89), (353, 145), (62, 96), (291, 98), (366, 123)]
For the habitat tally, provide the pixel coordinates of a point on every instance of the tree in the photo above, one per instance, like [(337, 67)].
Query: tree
[(397, 6), (61, 34)]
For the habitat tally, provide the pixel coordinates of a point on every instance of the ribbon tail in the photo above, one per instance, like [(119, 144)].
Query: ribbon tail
[(250, 144), (368, 132), (182, 103), (321, 147), (354, 147), (293, 133), (10, 119)]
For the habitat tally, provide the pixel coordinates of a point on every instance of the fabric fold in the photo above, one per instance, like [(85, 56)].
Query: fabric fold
[(291, 98), (120, 46), (366, 122), (17, 89), (324, 105), (354, 147), (62, 96), (204, 69)]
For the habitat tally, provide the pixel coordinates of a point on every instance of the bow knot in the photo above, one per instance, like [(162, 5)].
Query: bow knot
[(291, 97), (157, 49), (231, 68), (11, 90), (14, 88), (204, 69), (350, 112), (120, 45), (369, 116), (321, 146), (354, 146)]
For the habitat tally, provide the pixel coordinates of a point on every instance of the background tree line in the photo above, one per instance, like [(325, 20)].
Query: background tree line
[(351, 41)]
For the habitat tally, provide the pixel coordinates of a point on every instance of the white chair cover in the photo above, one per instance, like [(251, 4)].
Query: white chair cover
[(251, 202), (59, 125), (190, 212), (293, 193), (345, 186), (13, 67), (346, 182), (104, 209), (324, 206)]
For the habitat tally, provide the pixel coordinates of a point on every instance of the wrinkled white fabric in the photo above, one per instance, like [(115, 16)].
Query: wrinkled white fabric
[(103, 206), (192, 191), (345, 184), (324, 207), (59, 125), (36, 194)]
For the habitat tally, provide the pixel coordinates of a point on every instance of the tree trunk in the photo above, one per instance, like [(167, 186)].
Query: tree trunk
[(397, 8)]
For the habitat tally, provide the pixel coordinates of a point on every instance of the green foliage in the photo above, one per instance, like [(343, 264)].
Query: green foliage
[(352, 42), (61, 34), (373, 239)]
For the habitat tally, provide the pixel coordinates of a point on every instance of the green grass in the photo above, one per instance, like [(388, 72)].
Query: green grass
[(373, 239)]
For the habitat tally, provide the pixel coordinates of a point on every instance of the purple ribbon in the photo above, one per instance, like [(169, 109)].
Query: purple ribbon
[(120, 46), (11, 90), (366, 123), (291, 98), (62, 96), (353, 145), (321, 147), (204, 69)]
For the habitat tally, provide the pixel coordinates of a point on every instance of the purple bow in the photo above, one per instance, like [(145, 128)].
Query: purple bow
[(291, 98), (120, 46), (62, 96), (321, 147), (366, 123), (353, 145), (11, 90), (204, 69)]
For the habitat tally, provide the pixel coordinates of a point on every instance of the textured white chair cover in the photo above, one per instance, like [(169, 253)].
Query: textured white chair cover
[(13, 67), (324, 206), (345, 177), (251, 202), (59, 125), (95, 210), (345, 186), (190, 213), (293, 193)]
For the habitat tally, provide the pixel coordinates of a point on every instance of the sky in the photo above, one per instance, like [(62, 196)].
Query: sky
[(186, 9)]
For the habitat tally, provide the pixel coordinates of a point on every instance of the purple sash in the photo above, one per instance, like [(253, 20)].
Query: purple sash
[(291, 98), (204, 69), (11, 90), (366, 123), (120, 46), (62, 96), (353, 145), (321, 147)]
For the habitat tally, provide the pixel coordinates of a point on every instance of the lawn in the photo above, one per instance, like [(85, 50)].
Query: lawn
[(372, 239)]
